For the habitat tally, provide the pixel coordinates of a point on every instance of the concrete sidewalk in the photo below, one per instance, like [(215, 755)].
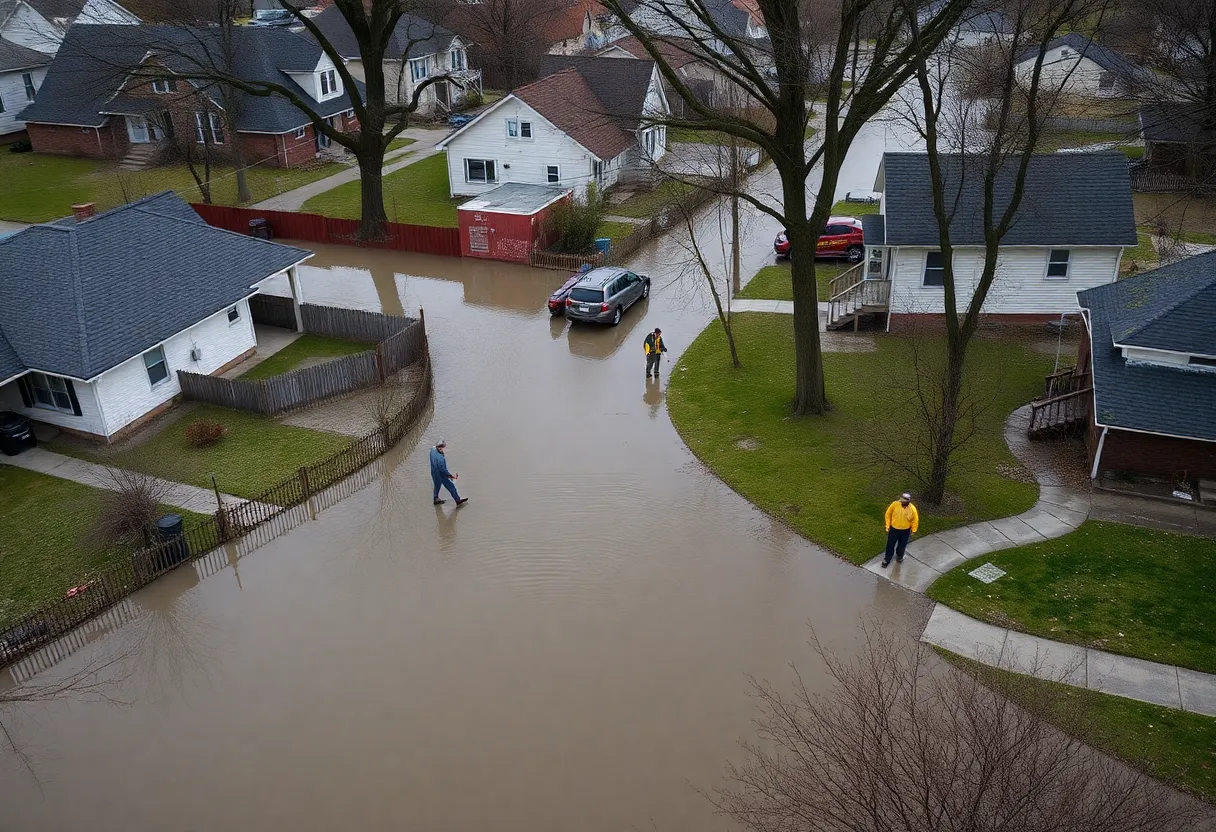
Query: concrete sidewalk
[(177, 494), (1081, 667), (425, 140)]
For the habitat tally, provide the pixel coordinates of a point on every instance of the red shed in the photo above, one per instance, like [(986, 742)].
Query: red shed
[(508, 222)]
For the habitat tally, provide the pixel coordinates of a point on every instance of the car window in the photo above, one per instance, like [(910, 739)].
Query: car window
[(831, 230), (632, 278), (618, 286), (584, 295)]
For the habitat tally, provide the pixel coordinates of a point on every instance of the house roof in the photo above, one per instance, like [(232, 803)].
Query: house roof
[(93, 62), (1069, 199), (975, 19), (1176, 123), (120, 283), (14, 57), (52, 10), (567, 100), (678, 52), (515, 198), (1155, 398), (620, 85), (1108, 59), (428, 38), (874, 229), (567, 23)]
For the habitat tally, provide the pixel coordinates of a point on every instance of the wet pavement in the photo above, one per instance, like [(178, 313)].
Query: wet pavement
[(570, 650)]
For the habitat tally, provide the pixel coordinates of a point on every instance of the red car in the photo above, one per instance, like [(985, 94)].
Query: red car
[(557, 300), (842, 237)]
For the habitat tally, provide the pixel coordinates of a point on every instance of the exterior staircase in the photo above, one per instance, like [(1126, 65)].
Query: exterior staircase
[(1064, 407), (138, 157), (856, 294)]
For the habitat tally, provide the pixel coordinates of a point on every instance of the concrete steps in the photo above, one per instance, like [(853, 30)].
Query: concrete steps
[(138, 157), (1207, 492)]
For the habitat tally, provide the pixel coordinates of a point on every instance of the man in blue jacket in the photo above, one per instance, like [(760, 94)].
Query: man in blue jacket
[(441, 476)]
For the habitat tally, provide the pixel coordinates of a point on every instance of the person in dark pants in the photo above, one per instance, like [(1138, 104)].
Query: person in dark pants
[(441, 477), (902, 522), (655, 348)]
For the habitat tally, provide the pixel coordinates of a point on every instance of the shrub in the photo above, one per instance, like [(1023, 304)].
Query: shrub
[(202, 433), (130, 504), (577, 221), (21, 146), (472, 98)]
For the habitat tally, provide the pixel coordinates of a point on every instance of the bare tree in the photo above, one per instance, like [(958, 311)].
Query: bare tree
[(903, 743), (129, 505), (803, 53), (510, 36)]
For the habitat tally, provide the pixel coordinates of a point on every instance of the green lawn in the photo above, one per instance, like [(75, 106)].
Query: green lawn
[(854, 209), (1132, 151), (1174, 746), (44, 539), (774, 282), (38, 187), (417, 194), (303, 348), (255, 454), (1139, 592), (1054, 140), (1143, 253), (616, 230), (649, 203), (812, 472), (398, 143)]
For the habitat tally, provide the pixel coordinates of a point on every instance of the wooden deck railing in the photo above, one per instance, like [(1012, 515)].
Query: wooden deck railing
[(845, 281), (1064, 407)]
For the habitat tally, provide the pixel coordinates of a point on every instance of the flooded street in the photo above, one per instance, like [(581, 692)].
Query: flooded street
[(570, 650)]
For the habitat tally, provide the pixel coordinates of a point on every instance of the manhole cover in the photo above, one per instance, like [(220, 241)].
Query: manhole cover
[(987, 573)]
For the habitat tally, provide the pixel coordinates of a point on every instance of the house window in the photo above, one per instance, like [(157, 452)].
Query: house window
[(1201, 361), (512, 128), (350, 114), (418, 69), (301, 132), (51, 393), (1057, 263), (650, 142), (154, 363), (456, 59), (204, 122), (165, 124), (2, 106), (525, 129), (28, 80), (329, 83), (553, 174), (935, 269), (480, 170), (164, 85), (597, 171), (1106, 81), (234, 314)]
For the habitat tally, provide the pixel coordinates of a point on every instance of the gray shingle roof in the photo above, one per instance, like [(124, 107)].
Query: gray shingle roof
[(1069, 199), (874, 229), (1108, 59), (93, 61), (1176, 123), (621, 85), (14, 57), (429, 37), (1177, 402), (121, 282)]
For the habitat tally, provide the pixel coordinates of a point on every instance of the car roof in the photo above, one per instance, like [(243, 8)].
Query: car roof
[(601, 276), (844, 221)]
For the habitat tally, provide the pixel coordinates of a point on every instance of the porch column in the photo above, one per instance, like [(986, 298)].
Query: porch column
[(293, 277)]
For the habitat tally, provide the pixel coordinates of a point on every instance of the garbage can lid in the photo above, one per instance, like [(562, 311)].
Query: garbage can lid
[(257, 223), (169, 521), (10, 420)]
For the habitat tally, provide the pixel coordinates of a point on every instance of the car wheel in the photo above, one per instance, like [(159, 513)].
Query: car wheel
[(556, 312), (646, 289), (855, 253), (616, 316)]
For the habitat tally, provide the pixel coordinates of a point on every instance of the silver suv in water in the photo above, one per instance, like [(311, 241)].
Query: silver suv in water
[(604, 294)]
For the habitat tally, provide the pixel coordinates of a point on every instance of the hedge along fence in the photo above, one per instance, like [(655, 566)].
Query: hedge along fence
[(400, 342), (59, 618)]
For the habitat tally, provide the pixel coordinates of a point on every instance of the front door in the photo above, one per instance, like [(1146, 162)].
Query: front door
[(441, 93), (137, 130)]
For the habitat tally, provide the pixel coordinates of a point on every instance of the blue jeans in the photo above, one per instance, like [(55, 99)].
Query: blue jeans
[(897, 542), (445, 483)]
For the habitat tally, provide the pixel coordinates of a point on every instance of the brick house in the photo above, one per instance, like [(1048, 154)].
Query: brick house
[(1151, 347), (135, 92), (137, 293)]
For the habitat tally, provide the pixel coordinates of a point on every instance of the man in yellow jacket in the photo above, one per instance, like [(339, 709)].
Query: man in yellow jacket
[(902, 521)]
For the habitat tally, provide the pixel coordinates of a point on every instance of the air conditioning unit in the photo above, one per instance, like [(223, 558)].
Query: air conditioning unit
[(196, 353)]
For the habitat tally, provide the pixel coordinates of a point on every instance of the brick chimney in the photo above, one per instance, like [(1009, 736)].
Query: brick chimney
[(82, 211)]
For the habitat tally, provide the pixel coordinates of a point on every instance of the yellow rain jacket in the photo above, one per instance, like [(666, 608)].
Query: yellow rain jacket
[(899, 517)]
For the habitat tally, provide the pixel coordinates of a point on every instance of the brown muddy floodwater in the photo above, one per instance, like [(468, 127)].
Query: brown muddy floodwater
[(569, 651)]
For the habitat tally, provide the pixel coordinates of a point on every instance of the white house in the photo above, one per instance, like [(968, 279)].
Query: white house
[(1068, 235), (978, 26), (591, 120), (740, 22), (417, 50), (1076, 65), (135, 294), (21, 73), (42, 24)]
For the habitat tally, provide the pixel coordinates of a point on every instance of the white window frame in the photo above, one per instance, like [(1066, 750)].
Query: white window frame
[(27, 78), (161, 86), (49, 386), (553, 174), (329, 78), (301, 132), (924, 271), (158, 350), (234, 315), (488, 166), (1066, 262), (597, 171), (512, 128), (213, 124), (418, 69), (1, 103), (350, 114), (525, 130), (457, 60)]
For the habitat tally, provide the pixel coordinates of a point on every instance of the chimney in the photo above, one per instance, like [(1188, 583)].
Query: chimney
[(83, 210)]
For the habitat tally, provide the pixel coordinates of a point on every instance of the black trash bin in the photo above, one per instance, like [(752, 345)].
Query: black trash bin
[(15, 433), (174, 548), (260, 228)]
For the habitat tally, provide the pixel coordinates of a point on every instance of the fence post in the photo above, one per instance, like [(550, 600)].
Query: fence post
[(305, 487), (380, 361), (221, 514)]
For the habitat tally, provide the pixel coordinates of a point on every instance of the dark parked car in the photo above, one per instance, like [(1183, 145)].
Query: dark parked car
[(842, 237), (557, 300), (603, 295)]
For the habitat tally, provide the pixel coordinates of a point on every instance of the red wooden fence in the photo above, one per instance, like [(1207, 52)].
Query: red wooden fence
[(315, 228)]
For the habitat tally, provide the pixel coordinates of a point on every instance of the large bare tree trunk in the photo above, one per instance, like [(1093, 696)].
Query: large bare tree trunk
[(373, 220)]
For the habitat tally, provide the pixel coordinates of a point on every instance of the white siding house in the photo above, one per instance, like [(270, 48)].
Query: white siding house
[(1077, 66), (21, 74), (42, 24)]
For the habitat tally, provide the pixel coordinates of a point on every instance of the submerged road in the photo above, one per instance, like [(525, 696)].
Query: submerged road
[(570, 650)]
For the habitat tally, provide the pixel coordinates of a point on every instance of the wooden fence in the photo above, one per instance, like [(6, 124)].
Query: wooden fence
[(399, 343), (1152, 181), (108, 588), (315, 228)]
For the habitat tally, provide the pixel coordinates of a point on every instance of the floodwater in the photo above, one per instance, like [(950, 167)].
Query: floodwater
[(570, 650)]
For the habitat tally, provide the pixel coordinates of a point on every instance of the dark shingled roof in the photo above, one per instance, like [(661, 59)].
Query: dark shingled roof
[(619, 84), (1069, 199), (120, 283), (566, 100), (1108, 59), (14, 57), (1176, 123), (429, 37), (874, 229), (1138, 396), (91, 65)]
